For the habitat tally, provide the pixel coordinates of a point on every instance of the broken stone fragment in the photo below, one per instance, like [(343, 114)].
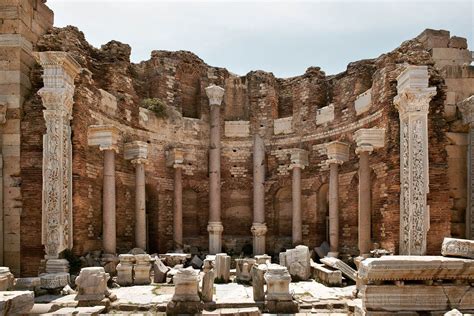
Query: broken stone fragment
[(458, 248)]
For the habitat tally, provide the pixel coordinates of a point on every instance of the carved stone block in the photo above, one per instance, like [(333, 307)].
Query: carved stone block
[(92, 284), (458, 248)]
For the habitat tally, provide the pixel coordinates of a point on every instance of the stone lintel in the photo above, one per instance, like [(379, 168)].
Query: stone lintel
[(466, 107), (175, 157), (104, 136), (54, 59), (413, 77), (137, 151), (337, 152), (368, 139), (299, 158), (215, 94)]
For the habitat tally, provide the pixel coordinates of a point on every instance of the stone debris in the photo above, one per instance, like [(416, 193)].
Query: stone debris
[(258, 282), (263, 259), (207, 281), (196, 262), (222, 267), (453, 247), (137, 251), (323, 250), (326, 275), (16, 302), (340, 265), (92, 284), (297, 261), (173, 259), (160, 271), (6, 279), (30, 284), (243, 269), (52, 281)]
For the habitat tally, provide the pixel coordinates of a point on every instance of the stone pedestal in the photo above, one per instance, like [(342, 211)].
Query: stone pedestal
[(106, 137), (244, 269), (258, 282), (278, 297), (6, 279), (259, 229), (186, 298), (338, 153), (125, 270), (207, 281), (222, 267), (142, 269), (137, 152), (412, 102), (299, 159), (215, 95), (92, 284), (57, 265), (57, 96), (367, 140)]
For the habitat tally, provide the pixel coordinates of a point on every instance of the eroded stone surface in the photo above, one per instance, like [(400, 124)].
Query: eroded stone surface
[(92, 284), (458, 248), (16, 302), (297, 261)]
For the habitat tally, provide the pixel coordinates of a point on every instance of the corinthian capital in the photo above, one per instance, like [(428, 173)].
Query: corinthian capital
[(368, 139), (104, 136), (338, 152), (215, 94)]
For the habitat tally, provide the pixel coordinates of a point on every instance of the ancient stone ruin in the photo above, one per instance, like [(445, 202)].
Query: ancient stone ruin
[(174, 186)]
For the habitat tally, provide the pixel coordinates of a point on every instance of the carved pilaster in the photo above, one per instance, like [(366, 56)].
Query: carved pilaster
[(57, 96), (412, 102)]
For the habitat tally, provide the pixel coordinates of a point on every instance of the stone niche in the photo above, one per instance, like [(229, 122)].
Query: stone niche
[(237, 128), (325, 114), (363, 102), (283, 126)]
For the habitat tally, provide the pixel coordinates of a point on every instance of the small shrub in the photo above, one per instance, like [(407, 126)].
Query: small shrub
[(156, 106)]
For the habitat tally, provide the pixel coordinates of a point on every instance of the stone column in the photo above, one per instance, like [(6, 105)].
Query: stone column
[(137, 153), (412, 102), (338, 153), (259, 228), (367, 140), (215, 228), (106, 137), (57, 96), (299, 160), (466, 108)]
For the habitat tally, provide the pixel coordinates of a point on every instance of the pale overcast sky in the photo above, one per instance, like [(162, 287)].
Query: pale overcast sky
[(284, 37)]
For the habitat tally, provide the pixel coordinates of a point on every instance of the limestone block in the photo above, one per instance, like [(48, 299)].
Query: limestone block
[(283, 126), (258, 282), (108, 102), (22, 284), (451, 56), (457, 42), (325, 114), (237, 128), (54, 280), (297, 261), (243, 269), (92, 284), (418, 297), (222, 267), (172, 259), (458, 248), (186, 282), (363, 102), (160, 271), (104, 136), (125, 269), (208, 282), (340, 265), (6, 279), (16, 302), (322, 250), (326, 275), (136, 150), (278, 283), (142, 269), (263, 259), (416, 268)]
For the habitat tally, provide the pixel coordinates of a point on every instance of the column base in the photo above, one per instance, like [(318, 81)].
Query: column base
[(258, 231), (57, 266), (215, 230)]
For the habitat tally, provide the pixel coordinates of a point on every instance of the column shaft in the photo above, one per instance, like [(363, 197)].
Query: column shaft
[(296, 201), (334, 208), (258, 180), (215, 167), (140, 211), (365, 206), (108, 213), (178, 209)]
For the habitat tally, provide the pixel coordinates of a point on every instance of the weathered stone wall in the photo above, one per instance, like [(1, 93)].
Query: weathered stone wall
[(315, 109)]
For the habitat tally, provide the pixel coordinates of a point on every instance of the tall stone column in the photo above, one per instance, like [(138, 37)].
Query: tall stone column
[(337, 153), (299, 160), (106, 137), (57, 96), (175, 160), (137, 153), (259, 228), (466, 108), (367, 140), (215, 228), (413, 102)]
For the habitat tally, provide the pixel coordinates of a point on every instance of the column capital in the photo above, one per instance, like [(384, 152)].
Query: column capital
[(466, 107), (175, 158), (299, 158), (215, 227), (337, 152), (104, 136), (215, 94), (368, 139), (58, 60), (258, 229), (136, 152)]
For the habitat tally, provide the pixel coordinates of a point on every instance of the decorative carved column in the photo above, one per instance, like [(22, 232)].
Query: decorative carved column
[(215, 228), (338, 153), (60, 69), (175, 160), (106, 137), (137, 153), (466, 108), (412, 102), (299, 160), (259, 228), (367, 140)]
